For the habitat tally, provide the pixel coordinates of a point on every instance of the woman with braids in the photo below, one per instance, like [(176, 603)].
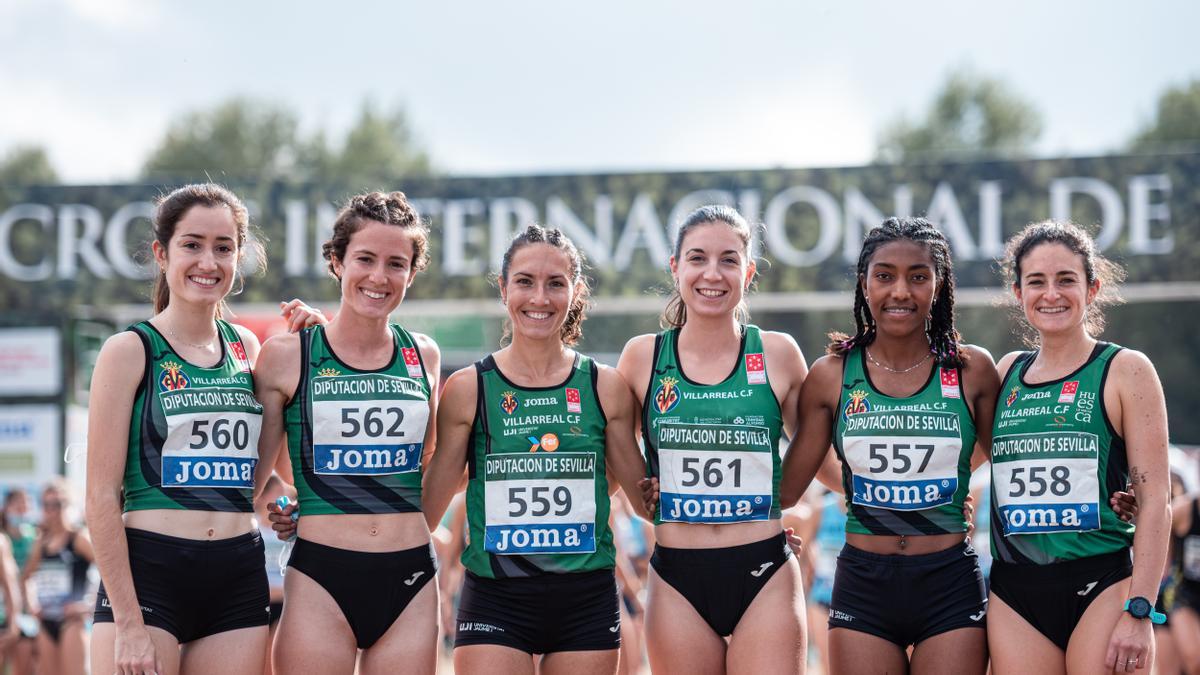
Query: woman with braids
[(908, 408), (355, 401), (1077, 419), (172, 435), (716, 395), (538, 427)]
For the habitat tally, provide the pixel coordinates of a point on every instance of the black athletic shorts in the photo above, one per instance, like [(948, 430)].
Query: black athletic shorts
[(1052, 598), (906, 599), (372, 589), (720, 583), (194, 588), (1186, 595), (541, 615)]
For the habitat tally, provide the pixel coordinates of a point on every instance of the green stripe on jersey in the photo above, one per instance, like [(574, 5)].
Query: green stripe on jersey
[(714, 448), (537, 499), (1055, 460), (906, 462), (193, 432), (356, 437)]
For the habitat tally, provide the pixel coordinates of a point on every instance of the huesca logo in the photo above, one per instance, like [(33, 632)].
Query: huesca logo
[(509, 402), (173, 377), (666, 397)]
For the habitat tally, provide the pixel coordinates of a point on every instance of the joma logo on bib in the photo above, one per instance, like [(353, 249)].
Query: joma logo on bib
[(203, 471), (537, 539)]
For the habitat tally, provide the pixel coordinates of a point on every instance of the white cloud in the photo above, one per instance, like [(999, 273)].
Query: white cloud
[(130, 15)]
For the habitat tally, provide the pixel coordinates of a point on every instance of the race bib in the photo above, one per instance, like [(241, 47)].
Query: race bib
[(1047, 482), (715, 473), (376, 435), (540, 503), (52, 582), (212, 437), (903, 460), (1191, 558)]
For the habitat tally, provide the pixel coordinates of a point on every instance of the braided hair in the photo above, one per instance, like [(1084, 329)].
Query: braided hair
[(572, 329), (944, 341)]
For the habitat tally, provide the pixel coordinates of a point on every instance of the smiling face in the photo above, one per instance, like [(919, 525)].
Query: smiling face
[(1053, 289), (538, 291), (712, 270), (900, 285), (200, 260), (376, 270)]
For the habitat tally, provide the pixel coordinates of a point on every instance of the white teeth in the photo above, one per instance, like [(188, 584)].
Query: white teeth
[(1052, 310), (897, 310), (373, 295), (710, 293), (538, 315), (203, 281)]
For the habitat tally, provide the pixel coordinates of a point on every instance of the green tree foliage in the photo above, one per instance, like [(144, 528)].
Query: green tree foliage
[(971, 114), (1177, 119), (27, 165), (249, 139), (240, 138)]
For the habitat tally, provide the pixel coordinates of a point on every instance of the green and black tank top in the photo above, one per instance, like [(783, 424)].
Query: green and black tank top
[(537, 498), (193, 434), (355, 437), (1055, 460), (713, 447), (906, 462)]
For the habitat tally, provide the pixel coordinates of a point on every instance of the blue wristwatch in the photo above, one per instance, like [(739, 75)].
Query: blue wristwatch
[(1141, 608)]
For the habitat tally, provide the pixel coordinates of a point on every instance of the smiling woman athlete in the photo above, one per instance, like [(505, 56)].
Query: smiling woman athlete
[(539, 429), (355, 401), (715, 394)]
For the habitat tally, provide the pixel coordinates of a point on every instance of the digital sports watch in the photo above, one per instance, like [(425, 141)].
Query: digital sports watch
[(1141, 608)]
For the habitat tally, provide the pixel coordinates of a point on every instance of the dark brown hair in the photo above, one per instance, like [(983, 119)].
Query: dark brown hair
[(944, 340), (175, 205), (675, 314), (1095, 268), (572, 328), (389, 208)]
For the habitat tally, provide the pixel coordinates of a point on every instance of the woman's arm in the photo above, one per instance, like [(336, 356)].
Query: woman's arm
[(455, 423), (787, 370), (431, 356), (1142, 413), (621, 453), (119, 369), (808, 449), (981, 383), (32, 563), (277, 373)]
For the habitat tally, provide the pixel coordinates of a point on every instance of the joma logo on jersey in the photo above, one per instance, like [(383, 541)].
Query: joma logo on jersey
[(173, 378), (341, 459), (666, 397), (209, 471), (857, 404), (541, 401), (708, 509), (509, 402), (1012, 396), (1035, 396), (537, 538)]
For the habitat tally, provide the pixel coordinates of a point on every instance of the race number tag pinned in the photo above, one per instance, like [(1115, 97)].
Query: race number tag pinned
[(1067, 395), (573, 402), (756, 371), (412, 361), (950, 383)]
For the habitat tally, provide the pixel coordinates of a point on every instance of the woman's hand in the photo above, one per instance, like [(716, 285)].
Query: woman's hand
[(1129, 646), (134, 652), (300, 316), (649, 488), (1125, 504), (794, 541), (282, 520)]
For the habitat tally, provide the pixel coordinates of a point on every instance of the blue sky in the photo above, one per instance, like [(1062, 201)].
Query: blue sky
[(551, 87)]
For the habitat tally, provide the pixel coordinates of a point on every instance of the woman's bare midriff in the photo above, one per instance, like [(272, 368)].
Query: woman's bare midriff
[(703, 535), (906, 545), (188, 524), (375, 533)]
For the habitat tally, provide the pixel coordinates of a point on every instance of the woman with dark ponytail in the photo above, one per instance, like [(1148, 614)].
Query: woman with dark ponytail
[(538, 429), (909, 409)]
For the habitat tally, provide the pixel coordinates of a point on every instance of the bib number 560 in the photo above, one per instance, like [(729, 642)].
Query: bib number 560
[(223, 433)]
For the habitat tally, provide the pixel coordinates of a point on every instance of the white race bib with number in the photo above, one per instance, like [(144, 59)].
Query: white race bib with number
[(212, 438), (1047, 482), (903, 460), (715, 473), (368, 438), (540, 503)]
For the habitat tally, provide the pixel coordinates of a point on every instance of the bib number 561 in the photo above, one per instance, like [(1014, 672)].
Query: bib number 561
[(711, 473)]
